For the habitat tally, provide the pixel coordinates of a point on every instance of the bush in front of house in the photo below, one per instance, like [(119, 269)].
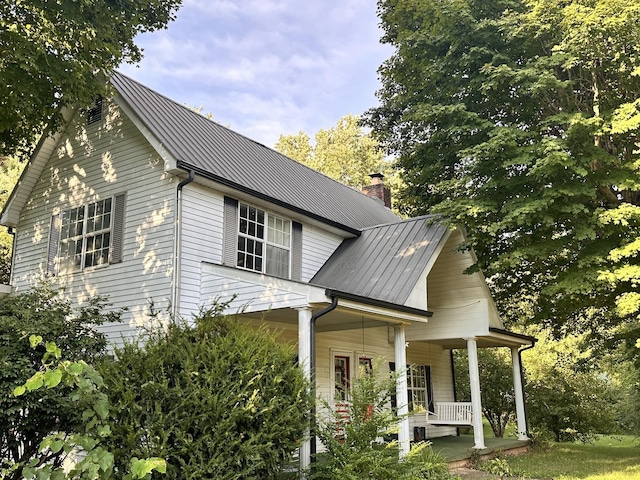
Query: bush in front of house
[(215, 398), (26, 420)]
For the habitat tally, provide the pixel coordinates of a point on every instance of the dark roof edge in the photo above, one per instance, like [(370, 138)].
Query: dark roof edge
[(521, 336), (377, 303), (236, 186)]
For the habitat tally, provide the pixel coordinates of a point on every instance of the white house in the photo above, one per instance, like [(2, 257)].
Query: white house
[(141, 199)]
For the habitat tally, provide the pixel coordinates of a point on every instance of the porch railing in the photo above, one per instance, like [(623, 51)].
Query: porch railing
[(451, 413)]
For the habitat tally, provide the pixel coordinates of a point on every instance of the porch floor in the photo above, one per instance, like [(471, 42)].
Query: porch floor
[(457, 450)]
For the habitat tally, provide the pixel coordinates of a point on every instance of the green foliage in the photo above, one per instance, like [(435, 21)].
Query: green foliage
[(519, 121), (10, 170), (82, 445), (55, 54), (496, 382), (215, 398), (566, 395), (345, 152), (354, 443), (26, 420), (496, 466)]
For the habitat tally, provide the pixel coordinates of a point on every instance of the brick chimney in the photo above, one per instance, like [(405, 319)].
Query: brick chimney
[(378, 190)]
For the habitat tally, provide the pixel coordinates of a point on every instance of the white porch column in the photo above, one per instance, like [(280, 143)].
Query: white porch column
[(402, 395), (517, 388), (476, 399), (304, 361)]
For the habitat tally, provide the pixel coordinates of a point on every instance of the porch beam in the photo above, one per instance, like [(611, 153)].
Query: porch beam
[(521, 415), (476, 398), (401, 389), (304, 362)]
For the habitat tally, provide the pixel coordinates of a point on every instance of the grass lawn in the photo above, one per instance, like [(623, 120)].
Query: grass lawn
[(609, 458)]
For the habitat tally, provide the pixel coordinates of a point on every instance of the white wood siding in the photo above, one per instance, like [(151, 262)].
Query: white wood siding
[(249, 296), (368, 342), (202, 219), (317, 247), (461, 304), (90, 164)]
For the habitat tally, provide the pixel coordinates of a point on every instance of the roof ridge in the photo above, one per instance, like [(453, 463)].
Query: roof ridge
[(402, 220)]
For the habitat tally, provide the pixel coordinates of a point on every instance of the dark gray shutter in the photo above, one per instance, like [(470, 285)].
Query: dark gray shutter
[(296, 251), (430, 402), (230, 232), (117, 232), (54, 239)]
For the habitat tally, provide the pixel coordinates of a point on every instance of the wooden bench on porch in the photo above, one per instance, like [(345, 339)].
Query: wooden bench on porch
[(456, 414)]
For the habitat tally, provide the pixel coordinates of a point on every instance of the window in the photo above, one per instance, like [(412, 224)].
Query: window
[(366, 366), (87, 236), (419, 388), (264, 242), (94, 114), (342, 378)]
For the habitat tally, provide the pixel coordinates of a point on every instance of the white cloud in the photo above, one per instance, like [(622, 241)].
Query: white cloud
[(267, 67)]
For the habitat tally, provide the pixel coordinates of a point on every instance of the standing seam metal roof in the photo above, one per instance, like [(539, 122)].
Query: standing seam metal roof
[(228, 157), (384, 262)]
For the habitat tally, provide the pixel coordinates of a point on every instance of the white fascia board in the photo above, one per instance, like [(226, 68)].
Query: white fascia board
[(388, 315), (170, 163)]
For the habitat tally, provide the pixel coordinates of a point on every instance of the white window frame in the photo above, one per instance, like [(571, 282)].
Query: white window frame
[(425, 390), (264, 241), (83, 238)]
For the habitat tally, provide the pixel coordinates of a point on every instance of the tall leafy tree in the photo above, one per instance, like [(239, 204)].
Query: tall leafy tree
[(519, 119), (345, 152), (54, 54)]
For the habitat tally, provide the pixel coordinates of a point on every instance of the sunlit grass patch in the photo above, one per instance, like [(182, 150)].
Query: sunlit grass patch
[(608, 458)]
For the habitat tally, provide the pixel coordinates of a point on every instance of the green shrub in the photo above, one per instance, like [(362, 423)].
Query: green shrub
[(26, 420), (215, 398)]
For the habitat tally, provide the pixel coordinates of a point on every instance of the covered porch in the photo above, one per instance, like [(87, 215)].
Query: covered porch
[(469, 414)]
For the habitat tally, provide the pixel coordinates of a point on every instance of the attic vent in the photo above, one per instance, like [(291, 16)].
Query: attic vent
[(95, 112)]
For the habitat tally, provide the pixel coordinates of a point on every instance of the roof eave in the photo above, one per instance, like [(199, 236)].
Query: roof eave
[(10, 215), (377, 303)]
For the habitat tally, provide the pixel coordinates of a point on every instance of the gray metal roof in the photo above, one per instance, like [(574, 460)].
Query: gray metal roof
[(225, 156), (385, 262)]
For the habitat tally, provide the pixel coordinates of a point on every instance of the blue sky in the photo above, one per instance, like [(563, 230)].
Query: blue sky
[(267, 67)]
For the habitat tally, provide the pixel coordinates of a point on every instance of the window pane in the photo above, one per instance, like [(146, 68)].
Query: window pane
[(341, 379), (279, 231), (277, 261)]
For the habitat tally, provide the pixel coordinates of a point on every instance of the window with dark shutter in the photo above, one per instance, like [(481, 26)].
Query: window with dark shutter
[(87, 236), (260, 241)]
